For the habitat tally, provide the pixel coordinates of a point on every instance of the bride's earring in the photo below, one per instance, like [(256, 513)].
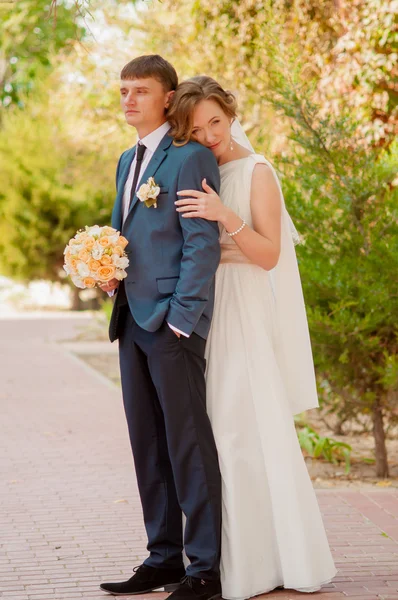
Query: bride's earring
[(231, 144)]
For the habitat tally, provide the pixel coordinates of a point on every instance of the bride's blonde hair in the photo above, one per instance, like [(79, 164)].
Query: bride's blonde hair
[(188, 95)]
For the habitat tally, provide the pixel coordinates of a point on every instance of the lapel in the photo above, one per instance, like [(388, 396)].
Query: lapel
[(154, 164), (124, 172)]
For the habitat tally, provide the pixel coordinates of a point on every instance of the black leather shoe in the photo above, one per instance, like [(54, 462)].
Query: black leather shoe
[(193, 588), (146, 579)]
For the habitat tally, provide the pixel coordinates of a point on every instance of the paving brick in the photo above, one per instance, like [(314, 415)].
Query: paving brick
[(66, 461)]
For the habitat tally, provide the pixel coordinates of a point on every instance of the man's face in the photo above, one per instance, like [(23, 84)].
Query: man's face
[(144, 102)]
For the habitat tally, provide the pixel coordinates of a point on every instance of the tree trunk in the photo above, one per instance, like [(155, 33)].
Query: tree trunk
[(76, 302), (380, 442)]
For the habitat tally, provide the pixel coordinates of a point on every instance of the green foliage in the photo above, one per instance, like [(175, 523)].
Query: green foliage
[(54, 181), (344, 197), (348, 51), (60, 143), (317, 446), (29, 38), (107, 307)]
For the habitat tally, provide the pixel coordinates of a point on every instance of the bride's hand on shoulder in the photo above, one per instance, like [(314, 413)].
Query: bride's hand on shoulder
[(204, 205)]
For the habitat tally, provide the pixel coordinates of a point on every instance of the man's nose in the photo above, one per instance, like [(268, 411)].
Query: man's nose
[(130, 99)]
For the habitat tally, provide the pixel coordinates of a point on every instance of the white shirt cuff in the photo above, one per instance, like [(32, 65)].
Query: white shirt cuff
[(110, 294), (177, 330)]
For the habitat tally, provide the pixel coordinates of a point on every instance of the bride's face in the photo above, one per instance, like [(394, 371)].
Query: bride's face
[(211, 127)]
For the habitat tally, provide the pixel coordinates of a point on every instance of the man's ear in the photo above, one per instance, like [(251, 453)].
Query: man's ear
[(169, 97)]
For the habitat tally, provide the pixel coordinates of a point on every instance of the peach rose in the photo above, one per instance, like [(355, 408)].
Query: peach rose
[(106, 260), (89, 243), (93, 265), (118, 251), (84, 255), (122, 242), (89, 282), (104, 241), (73, 264), (107, 230), (106, 272)]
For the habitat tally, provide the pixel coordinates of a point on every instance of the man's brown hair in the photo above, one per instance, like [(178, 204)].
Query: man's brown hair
[(151, 65)]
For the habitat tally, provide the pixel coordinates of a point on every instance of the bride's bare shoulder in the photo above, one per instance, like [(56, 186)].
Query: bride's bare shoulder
[(260, 164), (259, 159)]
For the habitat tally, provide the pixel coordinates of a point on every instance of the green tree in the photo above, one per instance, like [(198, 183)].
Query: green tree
[(29, 38), (58, 162), (59, 149), (344, 196)]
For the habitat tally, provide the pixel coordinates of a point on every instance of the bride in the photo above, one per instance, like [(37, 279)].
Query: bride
[(259, 362)]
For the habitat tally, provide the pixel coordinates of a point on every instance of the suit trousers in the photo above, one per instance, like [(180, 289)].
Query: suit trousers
[(173, 446)]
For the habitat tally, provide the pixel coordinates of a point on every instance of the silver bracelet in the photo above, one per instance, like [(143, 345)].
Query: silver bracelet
[(238, 230)]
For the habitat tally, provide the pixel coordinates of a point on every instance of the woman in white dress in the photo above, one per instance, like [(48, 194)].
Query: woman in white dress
[(259, 362)]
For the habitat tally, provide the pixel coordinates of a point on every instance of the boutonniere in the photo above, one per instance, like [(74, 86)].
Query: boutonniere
[(149, 192)]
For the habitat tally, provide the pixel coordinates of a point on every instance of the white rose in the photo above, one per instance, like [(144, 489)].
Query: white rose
[(113, 239), (154, 192), (120, 274), (83, 269), (78, 281), (143, 192), (121, 262), (97, 251), (94, 230)]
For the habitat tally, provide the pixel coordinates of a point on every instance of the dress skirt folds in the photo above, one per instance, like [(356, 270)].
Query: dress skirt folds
[(272, 530)]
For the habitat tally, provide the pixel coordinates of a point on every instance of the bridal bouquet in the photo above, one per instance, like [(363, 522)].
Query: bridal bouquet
[(96, 255)]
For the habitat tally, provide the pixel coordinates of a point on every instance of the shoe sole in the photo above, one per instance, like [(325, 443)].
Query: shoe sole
[(169, 587)]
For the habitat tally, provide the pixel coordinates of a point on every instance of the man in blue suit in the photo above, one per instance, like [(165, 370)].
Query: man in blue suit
[(161, 317)]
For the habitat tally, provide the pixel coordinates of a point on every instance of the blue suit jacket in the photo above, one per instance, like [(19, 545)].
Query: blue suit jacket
[(172, 260)]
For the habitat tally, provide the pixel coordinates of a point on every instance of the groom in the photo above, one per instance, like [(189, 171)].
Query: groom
[(162, 316)]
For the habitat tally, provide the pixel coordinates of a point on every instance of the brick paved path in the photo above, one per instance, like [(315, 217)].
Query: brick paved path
[(69, 510)]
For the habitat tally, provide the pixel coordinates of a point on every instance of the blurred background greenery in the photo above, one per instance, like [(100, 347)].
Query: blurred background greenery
[(317, 86)]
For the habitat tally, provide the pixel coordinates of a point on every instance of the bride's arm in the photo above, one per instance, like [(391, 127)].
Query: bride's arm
[(261, 244)]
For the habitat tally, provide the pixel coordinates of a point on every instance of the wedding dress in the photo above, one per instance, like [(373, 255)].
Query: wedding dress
[(272, 529)]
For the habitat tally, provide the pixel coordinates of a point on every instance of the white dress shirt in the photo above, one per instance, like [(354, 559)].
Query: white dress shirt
[(151, 142)]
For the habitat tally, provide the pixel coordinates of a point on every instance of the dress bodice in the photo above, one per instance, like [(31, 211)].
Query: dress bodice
[(235, 193)]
